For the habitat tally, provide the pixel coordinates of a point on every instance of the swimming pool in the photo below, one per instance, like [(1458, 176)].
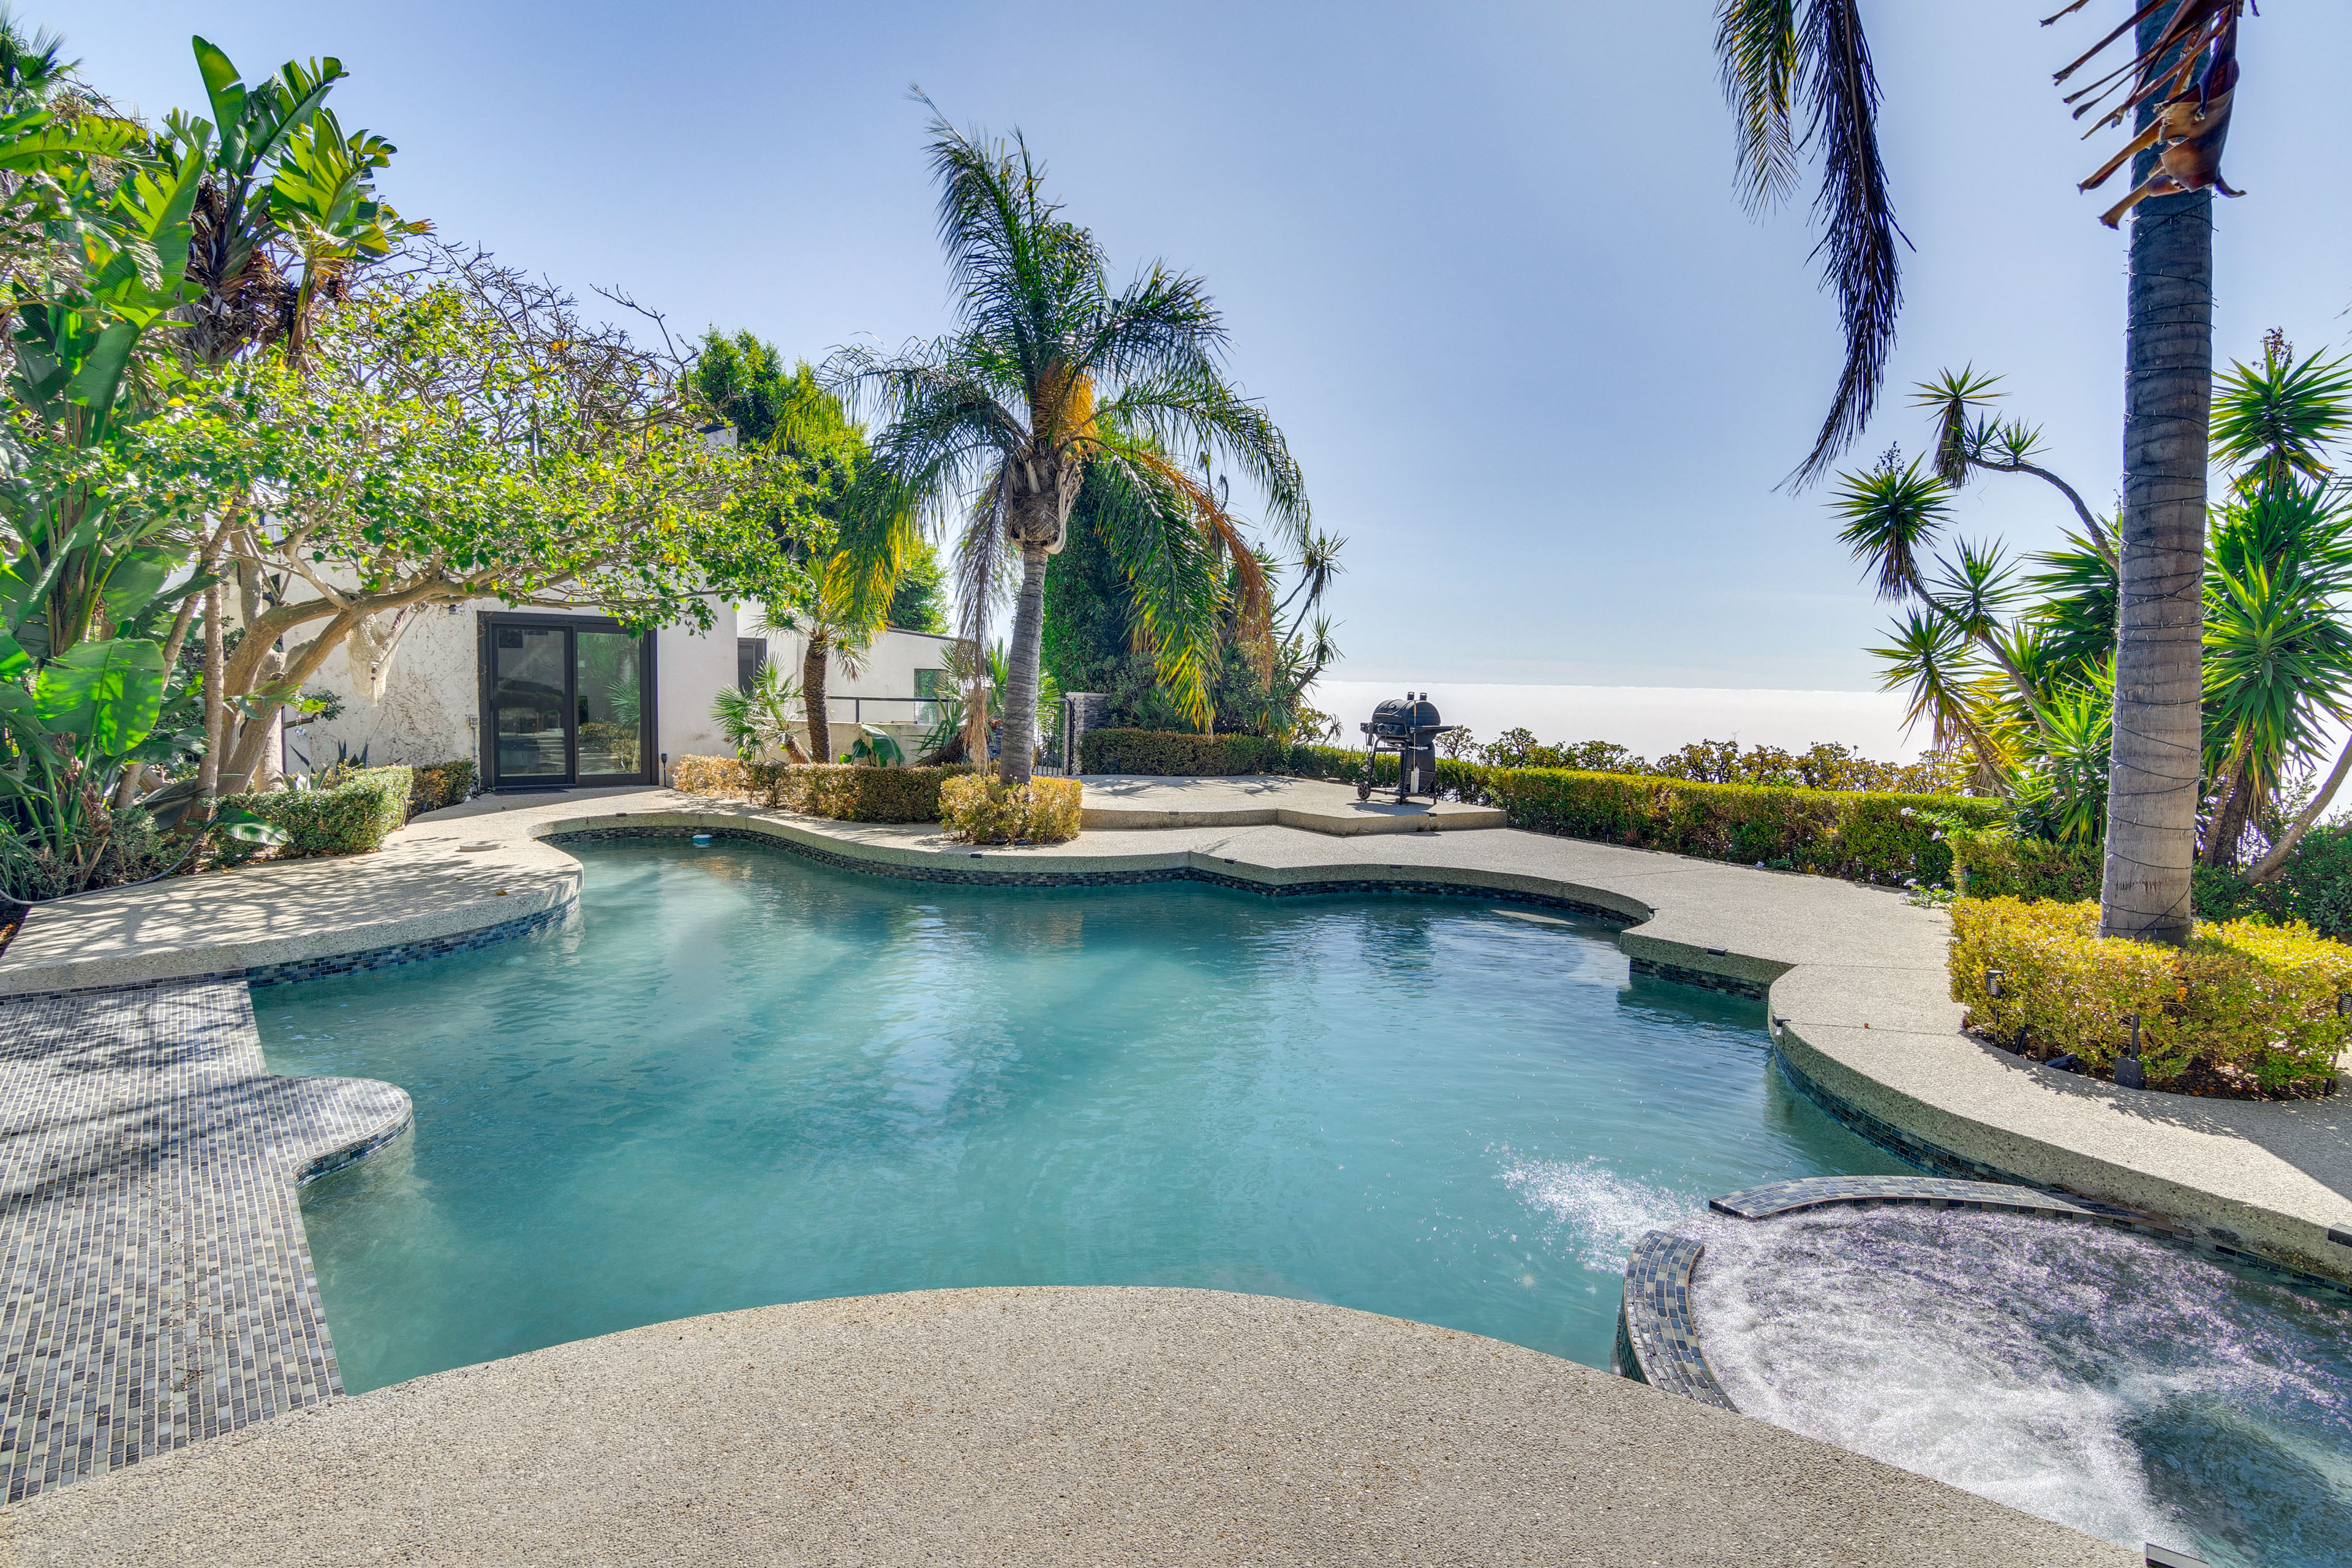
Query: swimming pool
[(737, 1078)]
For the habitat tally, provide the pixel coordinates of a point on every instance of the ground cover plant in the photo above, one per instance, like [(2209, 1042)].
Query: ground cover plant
[(2245, 1008)]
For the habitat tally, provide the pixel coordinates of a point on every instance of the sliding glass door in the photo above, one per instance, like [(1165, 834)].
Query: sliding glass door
[(566, 700)]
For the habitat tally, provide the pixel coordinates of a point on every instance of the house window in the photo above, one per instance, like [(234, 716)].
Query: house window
[(750, 658), (931, 685)]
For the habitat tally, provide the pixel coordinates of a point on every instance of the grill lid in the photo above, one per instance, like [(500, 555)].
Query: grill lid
[(1405, 715)]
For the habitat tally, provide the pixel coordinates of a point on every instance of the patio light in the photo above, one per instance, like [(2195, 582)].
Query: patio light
[(2129, 1073), (1993, 978)]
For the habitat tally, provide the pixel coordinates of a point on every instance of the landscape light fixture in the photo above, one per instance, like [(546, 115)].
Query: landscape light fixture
[(1994, 977), (2129, 1073)]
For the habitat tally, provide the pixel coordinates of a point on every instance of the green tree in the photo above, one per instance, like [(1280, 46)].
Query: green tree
[(1050, 372), (2023, 666), (920, 602), (1778, 58), (459, 431), (795, 423)]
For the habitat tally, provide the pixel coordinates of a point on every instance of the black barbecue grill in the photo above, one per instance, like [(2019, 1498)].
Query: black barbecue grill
[(1408, 727)]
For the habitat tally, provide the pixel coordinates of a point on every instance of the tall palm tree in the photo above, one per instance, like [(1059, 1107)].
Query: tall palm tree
[(1050, 373), (2153, 783), (1779, 56)]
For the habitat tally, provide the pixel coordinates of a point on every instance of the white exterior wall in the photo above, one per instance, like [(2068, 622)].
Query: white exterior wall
[(889, 671), (431, 708)]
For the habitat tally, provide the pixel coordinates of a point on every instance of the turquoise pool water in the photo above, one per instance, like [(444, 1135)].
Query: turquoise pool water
[(739, 1078)]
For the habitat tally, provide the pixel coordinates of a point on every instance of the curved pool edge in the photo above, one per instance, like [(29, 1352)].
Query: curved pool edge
[(1046, 1424)]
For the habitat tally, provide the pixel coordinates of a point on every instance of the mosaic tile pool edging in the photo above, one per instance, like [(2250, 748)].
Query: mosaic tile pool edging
[(157, 1280), (2213, 1241), (1657, 1340)]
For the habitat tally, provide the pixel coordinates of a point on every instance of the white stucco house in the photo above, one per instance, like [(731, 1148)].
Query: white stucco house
[(551, 699)]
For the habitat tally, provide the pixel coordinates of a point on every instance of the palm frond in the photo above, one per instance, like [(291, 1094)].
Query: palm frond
[(1755, 54), (1858, 217)]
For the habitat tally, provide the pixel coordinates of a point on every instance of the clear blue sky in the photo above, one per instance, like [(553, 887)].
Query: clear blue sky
[(1482, 262)]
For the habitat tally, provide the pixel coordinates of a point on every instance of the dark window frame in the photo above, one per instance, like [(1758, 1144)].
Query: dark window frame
[(485, 626)]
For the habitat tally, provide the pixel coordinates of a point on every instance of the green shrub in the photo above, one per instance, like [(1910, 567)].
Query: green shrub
[(1858, 835), (437, 784), (2315, 886), (1991, 863), (350, 819), (115, 848), (2246, 1007), (843, 791), (1168, 753), (977, 809), (1866, 837)]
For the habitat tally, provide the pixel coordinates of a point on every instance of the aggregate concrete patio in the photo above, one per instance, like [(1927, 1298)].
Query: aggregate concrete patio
[(1080, 1427), (1318, 806), (1856, 982)]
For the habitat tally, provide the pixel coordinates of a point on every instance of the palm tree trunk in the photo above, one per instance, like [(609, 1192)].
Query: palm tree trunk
[(1018, 755), (2152, 782), (813, 663)]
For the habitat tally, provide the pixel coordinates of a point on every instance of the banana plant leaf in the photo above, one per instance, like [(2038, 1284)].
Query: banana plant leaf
[(110, 693)]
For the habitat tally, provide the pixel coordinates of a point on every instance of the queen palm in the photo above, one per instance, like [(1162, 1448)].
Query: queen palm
[(1051, 375), (1778, 58)]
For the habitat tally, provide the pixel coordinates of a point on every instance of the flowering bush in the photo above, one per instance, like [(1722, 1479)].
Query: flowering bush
[(2246, 1008)]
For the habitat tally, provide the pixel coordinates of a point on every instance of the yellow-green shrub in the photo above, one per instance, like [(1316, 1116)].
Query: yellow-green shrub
[(2251, 1006), (437, 784), (980, 810), (709, 775), (855, 792)]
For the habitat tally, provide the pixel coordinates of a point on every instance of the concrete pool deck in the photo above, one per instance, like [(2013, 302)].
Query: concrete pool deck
[(1854, 976), (1082, 1426)]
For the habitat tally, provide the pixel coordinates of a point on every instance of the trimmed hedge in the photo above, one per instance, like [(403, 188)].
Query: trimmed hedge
[(1862, 834), (977, 809), (853, 792), (843, 791), (351, 818), (2247, 1008), (441, 783), (1859, 834), (1989, 863), (709, 775), (1174, 754)]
